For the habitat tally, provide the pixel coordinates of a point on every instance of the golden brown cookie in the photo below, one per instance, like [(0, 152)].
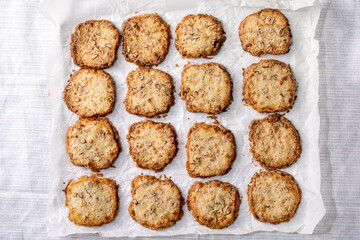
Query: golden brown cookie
[(92, 201), (206, 88), (152, 145), (156, 203), (274, 141), (150, 92), (93, 143), (199, 35), (265, 32), (214, 204), (146, 39), (269, 86), (90, 93), (210, 150), (273, 196), (94, 44)]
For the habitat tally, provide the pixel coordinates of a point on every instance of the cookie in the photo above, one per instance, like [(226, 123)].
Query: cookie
[(273, 196), (156, 203), (90, 93), (206, 88), (93, 143), (210, 150), (274, 142), (199, 35), (269, 86), (94, 44), (265, 32), (146, 39), (152, 145), (214, 204), (150, 92), (92, 201)]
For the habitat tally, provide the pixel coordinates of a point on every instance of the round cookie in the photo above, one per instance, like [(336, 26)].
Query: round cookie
[(274, 142), (214, 204), (150, 92), (265, 32), (273, 196), (90, 93), (152, 145), (269, 86), (199, 35), (93, 143), (206, 88), (92, 201), (156, 203), (94, 44), (146, 39), (210, 150)]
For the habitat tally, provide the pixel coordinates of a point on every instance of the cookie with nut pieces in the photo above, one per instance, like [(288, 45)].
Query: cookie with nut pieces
[(265, 32), (152, 145), (206, 88), (274, 142), (146, 39), (211, 149), (156, 203), (269, 86), (93, 143), (89, 93), (214, 204), (92, 201), (150, 92), (94, 44), (273, 196), (199, 35)]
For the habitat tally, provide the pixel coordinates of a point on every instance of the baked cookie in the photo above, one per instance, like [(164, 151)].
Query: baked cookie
[(156, 203), (94, 44), (146, 39), (206, 88), (273, 196), (269, 86), (93, 143), (199, 35), (274, 142), (210, 150), (152, 145), (265, 32), (92, 201), (90, 93), (214, 204), (150, 92)]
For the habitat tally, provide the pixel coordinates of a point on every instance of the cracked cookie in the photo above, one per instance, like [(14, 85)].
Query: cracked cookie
[(265, 32), (273, 196), (206, 88), (214, 204), (156, 203), (269, 86), (93, 143), (92, 201), (94, 44), (146, 39)]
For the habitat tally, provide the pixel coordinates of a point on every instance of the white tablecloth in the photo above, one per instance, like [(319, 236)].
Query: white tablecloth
[(25, 122)]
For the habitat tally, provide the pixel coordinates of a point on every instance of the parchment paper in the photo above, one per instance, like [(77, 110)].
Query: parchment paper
[(303, 17)]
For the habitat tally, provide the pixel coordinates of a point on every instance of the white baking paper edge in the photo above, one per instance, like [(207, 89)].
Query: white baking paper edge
[(303, 17)]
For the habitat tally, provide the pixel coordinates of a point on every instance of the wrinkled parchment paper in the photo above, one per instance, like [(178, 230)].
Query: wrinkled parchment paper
[(303, 17)]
